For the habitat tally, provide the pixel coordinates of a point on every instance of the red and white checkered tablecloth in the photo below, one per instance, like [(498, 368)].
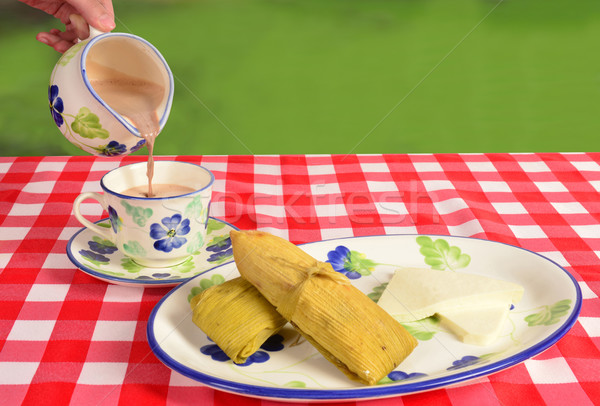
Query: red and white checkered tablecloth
[(68, 338)]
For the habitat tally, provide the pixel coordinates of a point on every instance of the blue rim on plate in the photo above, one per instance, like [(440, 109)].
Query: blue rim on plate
[(139, 278), (208, 378)]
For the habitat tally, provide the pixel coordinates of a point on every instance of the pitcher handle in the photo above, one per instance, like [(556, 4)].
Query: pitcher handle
[(94, 32), (79, 21)]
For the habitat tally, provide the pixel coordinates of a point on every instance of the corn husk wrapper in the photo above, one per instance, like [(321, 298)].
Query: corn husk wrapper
[(236, 317), (346, 326)]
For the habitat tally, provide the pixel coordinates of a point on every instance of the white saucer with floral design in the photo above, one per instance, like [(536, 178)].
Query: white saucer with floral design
[(287, 368), (101, 259)]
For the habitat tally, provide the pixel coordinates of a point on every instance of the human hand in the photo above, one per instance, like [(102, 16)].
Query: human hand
[(76, 15)]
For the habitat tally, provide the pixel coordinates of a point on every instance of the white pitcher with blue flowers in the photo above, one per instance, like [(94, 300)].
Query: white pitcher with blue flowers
[(83, 117)]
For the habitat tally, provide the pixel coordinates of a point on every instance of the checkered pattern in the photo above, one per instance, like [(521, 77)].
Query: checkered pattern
[(67, 338)]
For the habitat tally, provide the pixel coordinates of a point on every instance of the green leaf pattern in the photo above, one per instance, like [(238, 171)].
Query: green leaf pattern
[(549, 314), (375, 295), (206, 283), (440, 255), (130, 265), (185, 266), (134, 248), (195, 209), (424, 329), (102, 241), (107, 272), (214, 226), (358, 262), (69, 54), (139, 215), (195, 243), (87, 124), (133, 267), (294, 384)]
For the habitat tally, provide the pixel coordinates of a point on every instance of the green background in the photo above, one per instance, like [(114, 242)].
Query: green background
[(325, 76)]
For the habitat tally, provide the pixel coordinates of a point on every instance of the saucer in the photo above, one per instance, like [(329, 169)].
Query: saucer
[(101, 259)]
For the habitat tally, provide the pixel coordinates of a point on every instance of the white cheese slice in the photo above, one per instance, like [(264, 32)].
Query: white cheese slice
[(477, 326), (414, 293)]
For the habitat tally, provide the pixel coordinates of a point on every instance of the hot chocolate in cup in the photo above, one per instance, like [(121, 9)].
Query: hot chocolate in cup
[(159, 231), (158, 190)]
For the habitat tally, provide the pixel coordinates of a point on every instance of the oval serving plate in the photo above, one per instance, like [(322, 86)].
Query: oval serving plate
[(289, 369)]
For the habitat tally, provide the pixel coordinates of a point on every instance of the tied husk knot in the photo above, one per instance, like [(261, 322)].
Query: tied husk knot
[(320, 270)]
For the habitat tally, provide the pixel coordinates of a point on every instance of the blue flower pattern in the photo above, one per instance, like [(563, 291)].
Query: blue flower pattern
[(115, 221), (214, 352), (221, 255), (113, 148), (340, 261), (170, 237), (397, 376), (273, 343), (157, 275), (137, 146), (464, 362), (220, 245), (56, 105), (93, 256), (101, 248), (221, 249)]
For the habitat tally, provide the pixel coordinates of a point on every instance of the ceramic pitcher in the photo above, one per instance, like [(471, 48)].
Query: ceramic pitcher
[(81, 115)]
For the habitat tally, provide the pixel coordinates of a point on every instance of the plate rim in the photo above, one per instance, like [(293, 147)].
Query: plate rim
[(132, 282), (366, 392)]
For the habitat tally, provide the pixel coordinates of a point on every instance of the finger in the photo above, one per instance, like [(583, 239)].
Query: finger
[(59, 44), (108, 5), (68, 35), (98, 13)]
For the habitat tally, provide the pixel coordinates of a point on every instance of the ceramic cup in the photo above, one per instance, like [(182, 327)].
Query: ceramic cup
[(82, 116), (153, 231)]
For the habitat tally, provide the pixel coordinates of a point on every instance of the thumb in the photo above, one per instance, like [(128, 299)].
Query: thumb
[(97, 13)]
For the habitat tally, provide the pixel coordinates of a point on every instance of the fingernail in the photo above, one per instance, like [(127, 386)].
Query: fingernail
[(107, 21), (43, 40)]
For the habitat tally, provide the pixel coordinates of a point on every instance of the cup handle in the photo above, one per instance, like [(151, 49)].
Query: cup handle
[(104, 232)]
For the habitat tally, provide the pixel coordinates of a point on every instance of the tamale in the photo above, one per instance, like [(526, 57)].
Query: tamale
[(236, 317), (346, 327)]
